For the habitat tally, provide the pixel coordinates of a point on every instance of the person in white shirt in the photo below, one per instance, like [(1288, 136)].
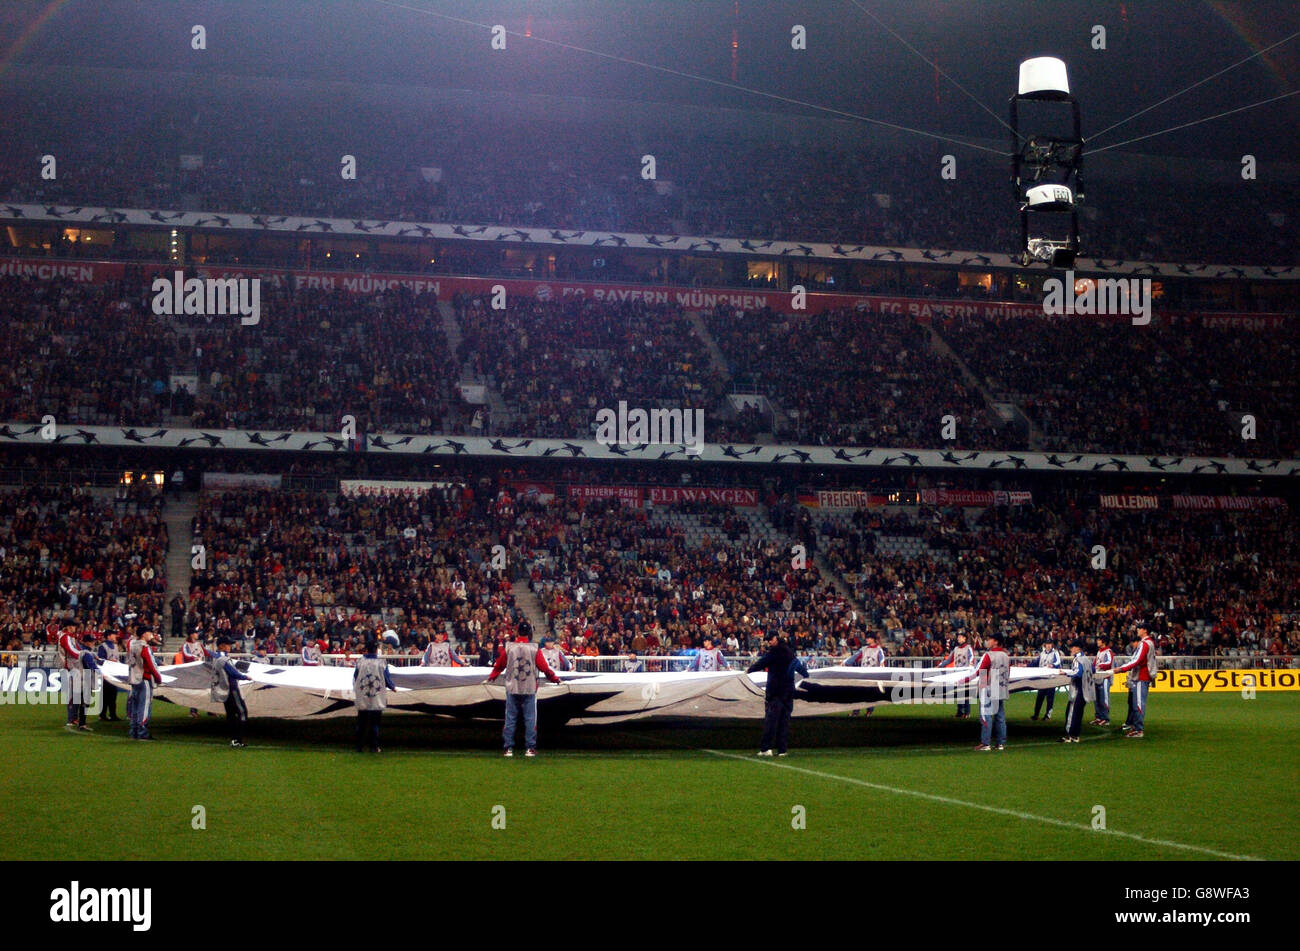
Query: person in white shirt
[(1105, 661), (1049, 656)]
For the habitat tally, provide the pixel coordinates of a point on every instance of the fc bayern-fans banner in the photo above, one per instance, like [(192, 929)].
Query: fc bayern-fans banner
[(974, 497), (630, 495), (499, 235), (673, 494), (739, 454), (688, 298)]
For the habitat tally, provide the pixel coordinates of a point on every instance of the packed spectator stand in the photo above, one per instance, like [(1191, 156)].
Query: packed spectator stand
[(585, 174)]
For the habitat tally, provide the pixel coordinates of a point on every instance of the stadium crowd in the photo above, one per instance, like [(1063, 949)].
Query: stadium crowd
[(843, 379), (279, 568), (1107, 386), (69, 554), (556, 363), (1203, 582), (288, 567), (98, 355), (585, 175)]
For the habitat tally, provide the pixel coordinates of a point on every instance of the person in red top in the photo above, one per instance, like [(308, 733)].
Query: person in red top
[(70, 662), (143, 675), (521, 660), (1146, 666)]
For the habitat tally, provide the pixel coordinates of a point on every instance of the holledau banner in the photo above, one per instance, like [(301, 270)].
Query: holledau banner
[(1214, 681), (1217, 503)]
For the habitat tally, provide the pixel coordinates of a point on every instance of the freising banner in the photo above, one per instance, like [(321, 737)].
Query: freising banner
[(1212, 681), (844, 499)]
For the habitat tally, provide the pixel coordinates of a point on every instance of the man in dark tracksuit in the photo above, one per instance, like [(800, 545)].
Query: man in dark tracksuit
[(225, 689), (781, 664), (108, 651), (1082, 691)]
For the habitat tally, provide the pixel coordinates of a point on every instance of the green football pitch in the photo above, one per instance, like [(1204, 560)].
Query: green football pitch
[(1215, 777)]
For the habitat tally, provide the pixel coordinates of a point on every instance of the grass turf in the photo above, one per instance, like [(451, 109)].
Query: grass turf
[(1215, 772)]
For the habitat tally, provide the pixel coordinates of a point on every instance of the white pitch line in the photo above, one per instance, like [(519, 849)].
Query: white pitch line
[(998, 810)]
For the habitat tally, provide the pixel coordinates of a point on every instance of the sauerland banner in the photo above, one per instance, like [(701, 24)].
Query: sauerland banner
[(974, 497), (505, 234), (688, 298)]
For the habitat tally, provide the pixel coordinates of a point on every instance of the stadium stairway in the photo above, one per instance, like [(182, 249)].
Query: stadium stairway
[(179, 517), (450, 327), (819, 560), (840, 585), (939, 345), (715, 352), (531, 606)]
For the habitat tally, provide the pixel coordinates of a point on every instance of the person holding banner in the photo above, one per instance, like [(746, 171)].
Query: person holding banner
[(1082, 691), (108, 651), (371, 682), (1146, 665), (142, 677), (1105, 662), (962, 655), (224, 689), (993, 676), (1049, 656)]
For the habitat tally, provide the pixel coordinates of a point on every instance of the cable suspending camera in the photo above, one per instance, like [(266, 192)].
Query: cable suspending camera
[(1046, 167)]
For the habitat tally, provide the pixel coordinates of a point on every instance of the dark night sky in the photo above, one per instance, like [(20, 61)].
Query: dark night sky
[(1154, 48)]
